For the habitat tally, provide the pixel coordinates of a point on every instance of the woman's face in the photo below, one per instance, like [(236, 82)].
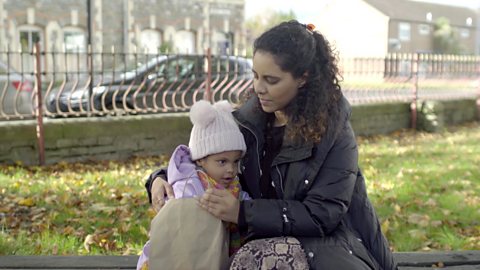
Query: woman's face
[(274, 87)]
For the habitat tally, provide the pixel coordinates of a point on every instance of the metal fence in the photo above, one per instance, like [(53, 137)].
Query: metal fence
[(408, 77), (75, 83)]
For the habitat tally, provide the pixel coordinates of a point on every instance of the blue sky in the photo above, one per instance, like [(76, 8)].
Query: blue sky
[(308, 9)]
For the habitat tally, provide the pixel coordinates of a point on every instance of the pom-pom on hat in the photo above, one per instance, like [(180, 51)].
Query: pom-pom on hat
[(214, 130)]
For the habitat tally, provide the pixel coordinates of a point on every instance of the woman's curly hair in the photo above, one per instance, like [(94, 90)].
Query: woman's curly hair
[(316, 106)]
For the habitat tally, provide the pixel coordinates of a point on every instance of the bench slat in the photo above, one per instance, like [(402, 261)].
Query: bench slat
[(453, 260), (68, 262), (458, 267), (449, 258)]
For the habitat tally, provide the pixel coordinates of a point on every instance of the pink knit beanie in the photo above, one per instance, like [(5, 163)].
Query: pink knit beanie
[(214, 130)]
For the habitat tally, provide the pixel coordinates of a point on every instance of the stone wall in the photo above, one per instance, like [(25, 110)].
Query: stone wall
[(459, 111), (380, 118), (101, 138), (77, 139)]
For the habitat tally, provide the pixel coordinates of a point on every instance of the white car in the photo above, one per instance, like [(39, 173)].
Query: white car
[(15, 92)]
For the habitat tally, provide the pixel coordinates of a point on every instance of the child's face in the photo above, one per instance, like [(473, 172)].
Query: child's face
[(222, 167)]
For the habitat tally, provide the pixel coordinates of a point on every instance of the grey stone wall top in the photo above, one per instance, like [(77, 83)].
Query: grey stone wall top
[(77, 128)]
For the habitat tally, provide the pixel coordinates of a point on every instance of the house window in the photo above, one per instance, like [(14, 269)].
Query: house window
[(469, 21), (424, 29), (74, 39), (29, 35), (429, 17), (465, 33), (151, 41), (224, 41), (404, 31), (185, 41)]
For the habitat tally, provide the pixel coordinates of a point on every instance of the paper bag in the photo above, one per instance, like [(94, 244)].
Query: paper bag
[(185, 237)]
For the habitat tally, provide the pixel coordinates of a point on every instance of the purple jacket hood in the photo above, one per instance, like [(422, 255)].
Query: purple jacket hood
[(179, 169)]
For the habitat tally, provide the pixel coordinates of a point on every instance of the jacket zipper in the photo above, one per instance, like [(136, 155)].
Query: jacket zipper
[(285, 215), (281, 180), (285, 218), (258, 146)]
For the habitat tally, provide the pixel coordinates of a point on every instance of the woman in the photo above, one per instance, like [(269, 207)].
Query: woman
[(301, 165)]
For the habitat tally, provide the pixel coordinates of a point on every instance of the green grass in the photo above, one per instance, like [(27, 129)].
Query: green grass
[(425, 188), (436, 177), (71, 201)]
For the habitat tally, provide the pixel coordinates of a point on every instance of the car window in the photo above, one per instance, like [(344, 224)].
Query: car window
[(130, 67), (240, 63), (183, 67), (218, 62), (160, 71)]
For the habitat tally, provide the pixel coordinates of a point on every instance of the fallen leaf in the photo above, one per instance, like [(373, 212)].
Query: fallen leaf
[(397, 208), (37, 211), (419, 234), (27, 202), (450, 223), (436, 223), (51, 200), (418, 201), (151, 212), (128, 251), (37, 216), (420, 220), (126, 227), (72, 202), (100, 207), (55, 249), (68, 230), (432, 202), (440, 264), (111, 246), (106, 235), (448, 212), (143, 230), (88, 242), (385, 226)]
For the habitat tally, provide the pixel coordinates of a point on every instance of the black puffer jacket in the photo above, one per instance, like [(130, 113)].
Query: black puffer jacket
[(323, 201)]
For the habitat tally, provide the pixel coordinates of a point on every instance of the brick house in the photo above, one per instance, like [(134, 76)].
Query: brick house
[(127, 25), (378, 27)]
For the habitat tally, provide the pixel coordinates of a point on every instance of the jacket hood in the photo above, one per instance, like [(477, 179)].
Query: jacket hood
[(181, 169)]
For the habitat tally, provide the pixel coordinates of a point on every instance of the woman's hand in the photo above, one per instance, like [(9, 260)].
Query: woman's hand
[(160, 189), (221, 204)]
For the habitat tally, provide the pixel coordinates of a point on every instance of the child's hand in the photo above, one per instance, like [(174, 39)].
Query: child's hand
[(160, 189), (221, 204)]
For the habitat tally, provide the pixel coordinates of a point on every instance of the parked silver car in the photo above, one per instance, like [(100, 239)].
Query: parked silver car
[(15, 92)]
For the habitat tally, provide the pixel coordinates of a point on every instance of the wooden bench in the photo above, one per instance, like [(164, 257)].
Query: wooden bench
[(451, 260)]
